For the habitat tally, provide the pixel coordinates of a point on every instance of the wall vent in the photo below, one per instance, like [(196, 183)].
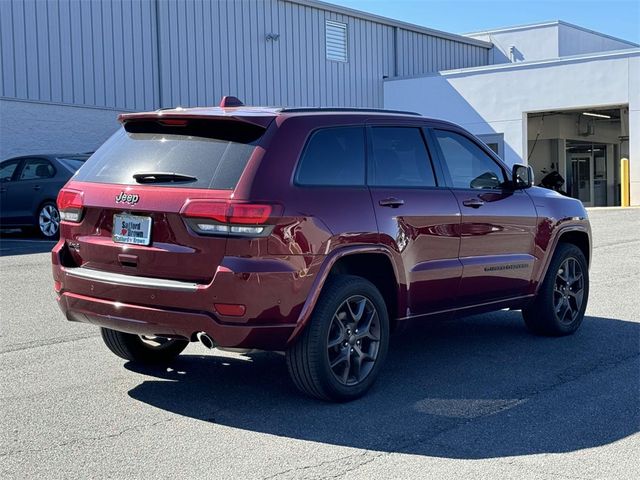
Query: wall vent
[(336, 41)]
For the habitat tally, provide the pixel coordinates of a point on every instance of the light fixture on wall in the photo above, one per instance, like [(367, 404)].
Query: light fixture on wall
[(599, 115)]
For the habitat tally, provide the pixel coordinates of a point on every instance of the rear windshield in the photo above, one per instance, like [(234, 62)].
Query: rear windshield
[(73, 163), (213, 163)]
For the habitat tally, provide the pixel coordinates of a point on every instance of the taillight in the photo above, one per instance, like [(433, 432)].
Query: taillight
[(215, 217), (248, 213), (70, 204)]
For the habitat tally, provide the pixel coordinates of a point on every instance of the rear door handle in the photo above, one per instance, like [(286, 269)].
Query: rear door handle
[(391, 202), (36, 187), (473, 203)]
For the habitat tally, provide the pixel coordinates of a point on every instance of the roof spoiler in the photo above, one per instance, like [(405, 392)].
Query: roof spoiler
[(228, 109)]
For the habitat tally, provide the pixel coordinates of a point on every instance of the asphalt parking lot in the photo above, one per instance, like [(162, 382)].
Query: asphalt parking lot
[(474, 398)]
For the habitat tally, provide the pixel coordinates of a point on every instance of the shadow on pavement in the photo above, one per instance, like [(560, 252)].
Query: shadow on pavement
[(480, 387), (16, 242)]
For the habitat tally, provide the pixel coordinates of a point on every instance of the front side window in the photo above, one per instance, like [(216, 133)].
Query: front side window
[(6, 170), (37, 169), (333, 157), (468, 165), (495, 141), (399, 158)]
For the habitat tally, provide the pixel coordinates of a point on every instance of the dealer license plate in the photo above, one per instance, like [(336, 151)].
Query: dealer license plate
[(132, 229)]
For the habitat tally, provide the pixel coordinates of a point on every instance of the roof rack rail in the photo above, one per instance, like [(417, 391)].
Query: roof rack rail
[(344, 109)]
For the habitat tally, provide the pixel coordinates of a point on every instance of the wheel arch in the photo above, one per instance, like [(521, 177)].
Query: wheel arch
[(578, 235), (41, 204), (579, 238), (374, 263)]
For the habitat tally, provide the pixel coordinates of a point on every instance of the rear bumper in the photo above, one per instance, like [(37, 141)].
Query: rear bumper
[(273, 290), (144, 320)]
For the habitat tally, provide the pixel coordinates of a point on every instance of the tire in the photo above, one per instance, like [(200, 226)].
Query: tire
[(351, 315), (559, 306), (140, 349), (48, 221)]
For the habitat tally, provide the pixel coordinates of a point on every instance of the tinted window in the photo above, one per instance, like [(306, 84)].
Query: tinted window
[(468, 165), (37, 168), (73, 163), (333, 156), (399, 158), (7, 168), (216, 163)]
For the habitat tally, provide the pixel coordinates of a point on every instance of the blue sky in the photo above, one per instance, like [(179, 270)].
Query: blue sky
[(620, 18)]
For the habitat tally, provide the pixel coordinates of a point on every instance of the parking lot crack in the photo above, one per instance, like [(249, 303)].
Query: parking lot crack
[(344, 465), (45, 343), (90, 439)]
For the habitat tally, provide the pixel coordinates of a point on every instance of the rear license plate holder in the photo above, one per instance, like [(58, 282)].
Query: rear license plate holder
[(131, 229)]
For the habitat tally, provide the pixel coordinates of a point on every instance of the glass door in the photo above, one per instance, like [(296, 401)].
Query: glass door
[(587, 172), (581, 175), (599, 175)]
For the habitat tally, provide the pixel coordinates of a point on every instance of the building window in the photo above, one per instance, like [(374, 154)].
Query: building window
[(336, 41)]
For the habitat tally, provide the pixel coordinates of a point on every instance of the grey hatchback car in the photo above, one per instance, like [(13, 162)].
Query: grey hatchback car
[(28, 189)]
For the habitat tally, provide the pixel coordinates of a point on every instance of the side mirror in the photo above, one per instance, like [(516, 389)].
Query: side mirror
[(522, 176)]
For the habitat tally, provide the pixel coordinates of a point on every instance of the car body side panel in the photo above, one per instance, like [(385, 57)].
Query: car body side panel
[(424, 234), (557, 215), (497, 245), (315, 220)]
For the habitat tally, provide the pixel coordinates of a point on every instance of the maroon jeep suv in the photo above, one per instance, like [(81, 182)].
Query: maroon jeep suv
[(311, 231)]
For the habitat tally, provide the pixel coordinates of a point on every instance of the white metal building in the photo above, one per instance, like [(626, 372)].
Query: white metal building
[(558, 96), (69, 66)]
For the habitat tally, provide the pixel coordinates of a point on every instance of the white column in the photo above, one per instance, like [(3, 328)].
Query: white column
[(634, 129)]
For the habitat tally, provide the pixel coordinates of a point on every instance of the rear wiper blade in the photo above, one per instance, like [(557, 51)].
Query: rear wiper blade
[(162, 177)]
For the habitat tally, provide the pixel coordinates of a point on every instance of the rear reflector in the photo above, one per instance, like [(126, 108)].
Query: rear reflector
[(57, 286), (230, 310)]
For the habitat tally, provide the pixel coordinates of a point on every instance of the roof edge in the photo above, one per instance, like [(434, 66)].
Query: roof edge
[(631, 52), (351, 12), (549, 23)]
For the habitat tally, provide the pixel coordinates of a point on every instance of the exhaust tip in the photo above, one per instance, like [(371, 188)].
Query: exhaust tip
[(206, 340)]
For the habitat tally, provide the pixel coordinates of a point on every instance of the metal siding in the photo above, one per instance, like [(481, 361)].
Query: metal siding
[(145, 54), (7, 51), (72, 51)]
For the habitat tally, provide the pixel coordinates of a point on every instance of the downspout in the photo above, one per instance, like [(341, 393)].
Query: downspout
[(158, 56), (396, 46)]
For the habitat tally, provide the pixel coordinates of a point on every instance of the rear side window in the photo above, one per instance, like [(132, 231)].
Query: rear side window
[(399, 158), (333, 157), (215, 161), (37, 169)]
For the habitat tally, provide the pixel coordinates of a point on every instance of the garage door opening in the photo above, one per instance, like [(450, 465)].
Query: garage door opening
[(585, 147)]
